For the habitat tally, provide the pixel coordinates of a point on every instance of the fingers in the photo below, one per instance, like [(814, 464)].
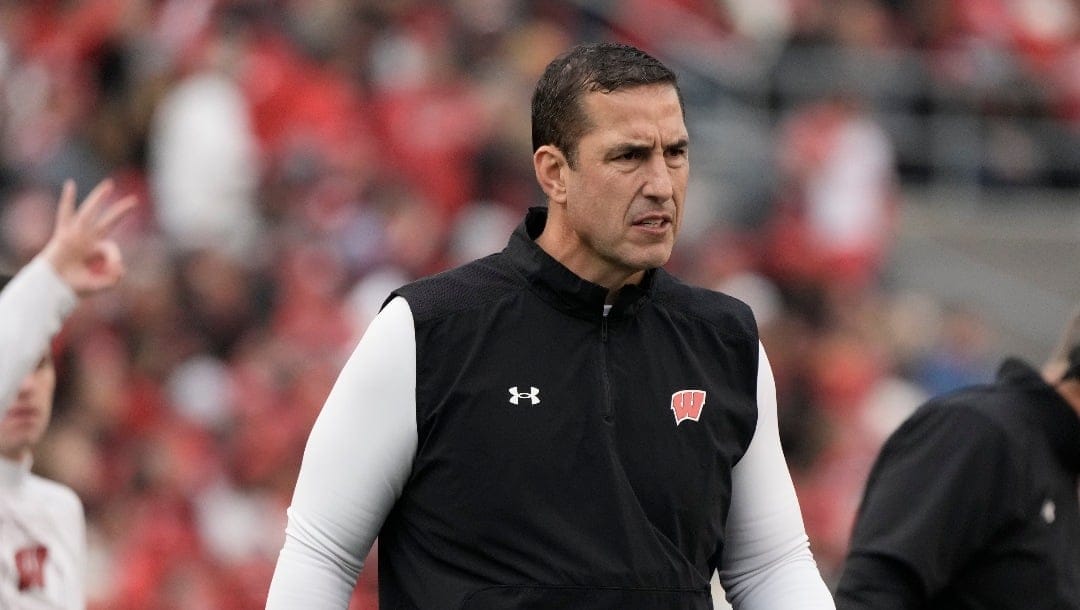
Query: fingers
[(99, 270), (107, 264), (67, 203), (96, 216), (92, 205), (114, 260), (114, 214), (79, 249)]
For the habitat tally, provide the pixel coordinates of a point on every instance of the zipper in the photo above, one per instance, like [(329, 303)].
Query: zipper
[(607, 411)]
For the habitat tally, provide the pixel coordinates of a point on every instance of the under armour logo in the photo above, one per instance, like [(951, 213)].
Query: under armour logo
[(687, 404), (533, 395), (1049, 511)]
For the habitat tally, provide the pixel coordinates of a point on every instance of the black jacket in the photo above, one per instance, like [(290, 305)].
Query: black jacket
[(972, 505), (551, 470)]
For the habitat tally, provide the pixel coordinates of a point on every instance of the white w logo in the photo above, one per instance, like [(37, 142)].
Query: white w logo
[(533, 395)]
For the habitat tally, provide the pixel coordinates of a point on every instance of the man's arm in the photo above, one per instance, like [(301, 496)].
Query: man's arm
[(767, 564), (78, 260), (33, 306), (358, 457)]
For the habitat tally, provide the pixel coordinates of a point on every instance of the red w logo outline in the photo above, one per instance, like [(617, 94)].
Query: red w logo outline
[(687, 404), (30, 564)]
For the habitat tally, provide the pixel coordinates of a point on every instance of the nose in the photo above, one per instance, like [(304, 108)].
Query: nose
[(26, 385), (659, 185)]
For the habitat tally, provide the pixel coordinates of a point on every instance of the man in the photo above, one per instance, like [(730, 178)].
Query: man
[(562, 424), (972, 503), (42, 531)]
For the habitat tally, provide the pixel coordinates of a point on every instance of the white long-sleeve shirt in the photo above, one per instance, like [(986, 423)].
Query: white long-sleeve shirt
[(33, 307), (42, 528), (337, 512)]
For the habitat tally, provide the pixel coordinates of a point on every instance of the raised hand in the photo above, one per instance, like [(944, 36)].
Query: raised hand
[(80, 250)]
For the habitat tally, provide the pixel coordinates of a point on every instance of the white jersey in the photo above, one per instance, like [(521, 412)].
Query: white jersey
[(337, 512), (33, 306), (42, 542)]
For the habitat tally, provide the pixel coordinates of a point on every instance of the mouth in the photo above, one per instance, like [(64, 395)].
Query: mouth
[(653, 222), (20, 413)]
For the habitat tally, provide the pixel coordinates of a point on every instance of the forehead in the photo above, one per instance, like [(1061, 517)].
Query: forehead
[(635, 113)]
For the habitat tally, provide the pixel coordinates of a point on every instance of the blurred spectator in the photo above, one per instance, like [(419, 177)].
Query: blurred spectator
[(834, 222), (960, 356), (44, 547), (27, 223), (204, 167)]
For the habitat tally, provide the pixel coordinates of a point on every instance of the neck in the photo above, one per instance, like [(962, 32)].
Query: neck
[(586, 267), (614, 288), (15, 454)]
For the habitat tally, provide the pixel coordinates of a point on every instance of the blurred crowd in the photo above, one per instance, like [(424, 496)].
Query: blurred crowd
[(298, 159)]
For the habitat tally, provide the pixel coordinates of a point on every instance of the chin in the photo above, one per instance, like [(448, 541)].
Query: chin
[(642, 259), (658, 259), (651, 263)]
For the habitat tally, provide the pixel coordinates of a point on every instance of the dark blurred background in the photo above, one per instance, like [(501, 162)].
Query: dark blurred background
[(892, 185)]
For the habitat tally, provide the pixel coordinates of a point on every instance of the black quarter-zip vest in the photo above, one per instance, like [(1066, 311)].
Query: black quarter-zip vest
[(568, 459)]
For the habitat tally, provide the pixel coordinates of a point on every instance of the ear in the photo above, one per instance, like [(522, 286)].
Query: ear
[(550, 166)]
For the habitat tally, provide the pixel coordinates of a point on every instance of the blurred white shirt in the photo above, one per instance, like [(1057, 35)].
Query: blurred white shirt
[(204, 166)]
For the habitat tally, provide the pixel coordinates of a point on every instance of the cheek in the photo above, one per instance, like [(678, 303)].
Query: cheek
[(44, 389), (680, 187), (680, 179), (47, 381), (591, 198)]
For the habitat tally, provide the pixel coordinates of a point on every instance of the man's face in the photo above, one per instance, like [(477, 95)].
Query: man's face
[(27, 418), (624, 197)]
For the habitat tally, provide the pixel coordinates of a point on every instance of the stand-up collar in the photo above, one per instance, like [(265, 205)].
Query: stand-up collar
[(13, 473), (1057, 418), (558, 285)]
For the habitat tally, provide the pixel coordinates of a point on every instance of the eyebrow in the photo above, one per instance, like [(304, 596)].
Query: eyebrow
[(678, 144), (628, 147)]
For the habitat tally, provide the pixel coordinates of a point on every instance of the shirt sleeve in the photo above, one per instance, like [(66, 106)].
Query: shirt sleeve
[(945, 474), (33, 307), (767, 564), (358, 457)]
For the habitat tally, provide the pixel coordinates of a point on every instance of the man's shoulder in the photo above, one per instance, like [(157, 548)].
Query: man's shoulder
[(985, 413), (55, 496), (462, 288), (712, 307)]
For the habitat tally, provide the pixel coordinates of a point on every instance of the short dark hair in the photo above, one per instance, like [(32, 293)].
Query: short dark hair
[(558, 116)]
